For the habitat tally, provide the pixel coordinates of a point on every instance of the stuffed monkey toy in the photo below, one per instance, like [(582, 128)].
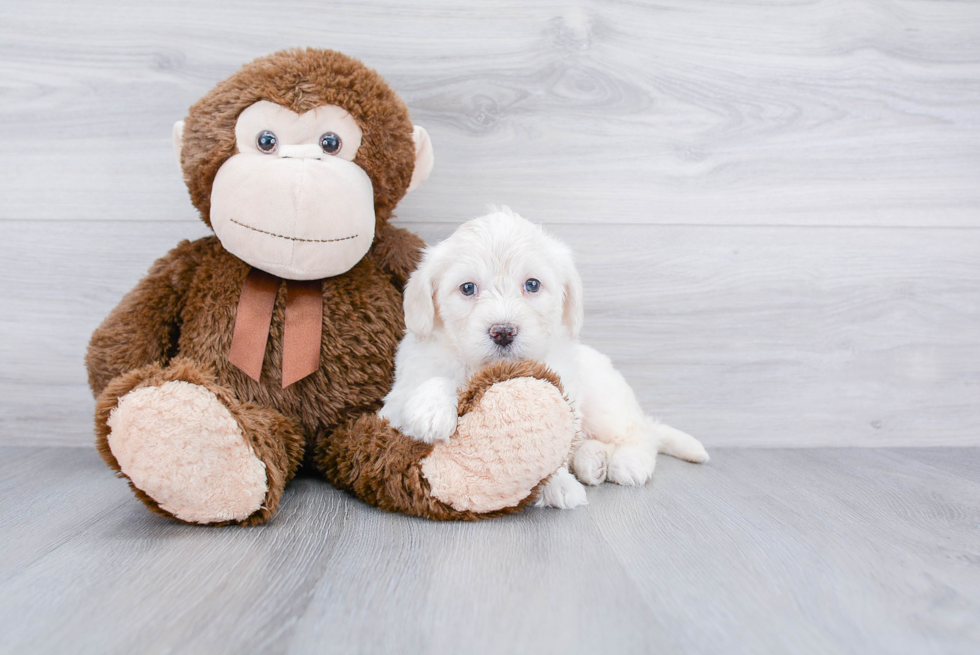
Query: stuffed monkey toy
[(242, 356)]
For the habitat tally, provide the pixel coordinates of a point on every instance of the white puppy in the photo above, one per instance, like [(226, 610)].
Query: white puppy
[(500, 288)]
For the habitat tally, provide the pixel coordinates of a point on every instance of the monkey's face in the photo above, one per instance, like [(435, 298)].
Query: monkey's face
[(297, 158), (291, 201)]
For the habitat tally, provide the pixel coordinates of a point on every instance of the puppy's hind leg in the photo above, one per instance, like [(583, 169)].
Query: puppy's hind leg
[(613, 418), (591, 461), (633, 463), (620, 448)]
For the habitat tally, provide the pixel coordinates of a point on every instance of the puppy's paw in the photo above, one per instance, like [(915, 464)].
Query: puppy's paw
[(631, 465), (589, 462), (563, 491), (430, 414)]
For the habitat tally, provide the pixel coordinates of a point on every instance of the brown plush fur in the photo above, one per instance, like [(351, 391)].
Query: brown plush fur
[(185, 308), (188, 302), (177, 324), (387, 473)]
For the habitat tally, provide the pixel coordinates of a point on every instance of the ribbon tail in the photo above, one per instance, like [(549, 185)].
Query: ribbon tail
[(302, 334), (252, 322)]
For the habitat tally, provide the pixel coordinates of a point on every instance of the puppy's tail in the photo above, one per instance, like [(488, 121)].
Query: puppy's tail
[(673, 442)]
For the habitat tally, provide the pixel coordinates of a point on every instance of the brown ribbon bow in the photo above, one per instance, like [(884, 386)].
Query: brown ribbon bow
[(303, 325)]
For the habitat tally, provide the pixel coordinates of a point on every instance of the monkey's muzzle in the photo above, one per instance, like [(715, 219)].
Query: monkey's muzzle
[(295, 216)]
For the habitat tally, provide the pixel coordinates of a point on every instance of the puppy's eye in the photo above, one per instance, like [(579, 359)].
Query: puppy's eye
[(267, 142), (532, 286), (467, 288)]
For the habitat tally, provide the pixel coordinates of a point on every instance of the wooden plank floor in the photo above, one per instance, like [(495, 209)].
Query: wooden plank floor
[(760, 551)]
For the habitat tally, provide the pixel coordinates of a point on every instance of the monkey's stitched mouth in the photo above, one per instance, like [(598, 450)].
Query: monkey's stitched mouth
[(283, 236)]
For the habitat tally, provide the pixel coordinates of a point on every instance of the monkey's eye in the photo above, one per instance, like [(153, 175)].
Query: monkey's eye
[(267, 142), (467, 288), (532, 286), (330, 142)]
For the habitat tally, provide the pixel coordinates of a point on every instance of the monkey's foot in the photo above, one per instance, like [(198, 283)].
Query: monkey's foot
[(515, 430), (178, 444)]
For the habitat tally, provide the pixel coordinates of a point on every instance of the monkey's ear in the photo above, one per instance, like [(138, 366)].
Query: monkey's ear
[(423, 157), (178, 140)]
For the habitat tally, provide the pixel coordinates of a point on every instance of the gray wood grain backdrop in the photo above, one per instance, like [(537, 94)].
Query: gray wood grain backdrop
[(775, 205)]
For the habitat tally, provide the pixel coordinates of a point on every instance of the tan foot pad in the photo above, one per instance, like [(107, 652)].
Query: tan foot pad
[(518, 434), (182, 447)]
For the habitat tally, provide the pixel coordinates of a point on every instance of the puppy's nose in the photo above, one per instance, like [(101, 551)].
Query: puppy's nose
[(503, 333)]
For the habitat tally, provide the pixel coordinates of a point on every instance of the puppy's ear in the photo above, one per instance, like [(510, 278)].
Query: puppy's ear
[(420, 310), (573, 311)]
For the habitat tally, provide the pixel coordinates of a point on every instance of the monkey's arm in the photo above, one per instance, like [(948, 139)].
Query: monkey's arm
[(398, 252), (145, 325)]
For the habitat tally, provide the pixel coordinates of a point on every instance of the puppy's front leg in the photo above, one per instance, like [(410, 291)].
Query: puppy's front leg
[(563, 491), (429, 413)]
